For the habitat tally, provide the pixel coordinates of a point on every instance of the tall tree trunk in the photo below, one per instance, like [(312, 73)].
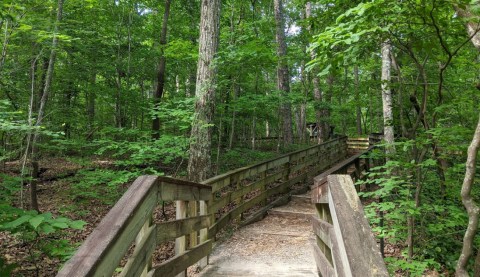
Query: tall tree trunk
[(471, 206), (387, 97), (328, 130), (357, 101), (236, 93), (283, 78), (41, 109), (200, 144), (161, 71), (317, 93)]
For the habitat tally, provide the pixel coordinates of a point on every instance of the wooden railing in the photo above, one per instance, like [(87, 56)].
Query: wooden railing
[(345, 245), (358, 144), (130, 222), (242, 195), (255, 189)]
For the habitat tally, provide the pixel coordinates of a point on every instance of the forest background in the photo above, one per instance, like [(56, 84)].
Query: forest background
[(95, 93)]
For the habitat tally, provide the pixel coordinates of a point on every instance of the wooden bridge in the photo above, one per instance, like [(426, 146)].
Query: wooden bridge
[(299, 215)]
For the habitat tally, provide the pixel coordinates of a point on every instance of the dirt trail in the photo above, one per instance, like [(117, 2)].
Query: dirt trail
[(278, 245)]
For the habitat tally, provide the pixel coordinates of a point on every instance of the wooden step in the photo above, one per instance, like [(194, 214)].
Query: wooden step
[(303, 198), (293, 214)]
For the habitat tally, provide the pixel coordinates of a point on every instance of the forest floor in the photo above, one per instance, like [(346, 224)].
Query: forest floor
[(53, 196)]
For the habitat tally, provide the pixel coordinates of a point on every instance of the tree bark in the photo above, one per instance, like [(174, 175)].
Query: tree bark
[(387, 98), (161, 71), (317, 93), (283, 77), (43, 101), (357, 100), (471, 206), (200, 144)]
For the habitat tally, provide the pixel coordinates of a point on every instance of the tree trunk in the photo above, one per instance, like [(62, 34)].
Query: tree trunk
[(43, 101), (357, 102), (327, 130), (200, 144), (161, 72), (387, 98), (91, 109), (471, 206), (317, 93), (283, 78)]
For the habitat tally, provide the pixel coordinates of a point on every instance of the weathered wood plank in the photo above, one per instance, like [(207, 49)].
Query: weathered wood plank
[(322, 229), (180, 242), (226, 218), (171, 192), (101, 253), (204, 232), (167, 231), (323, 265), (320, 191), (360, 251), (232, 195), (180, 263), (142, 254)]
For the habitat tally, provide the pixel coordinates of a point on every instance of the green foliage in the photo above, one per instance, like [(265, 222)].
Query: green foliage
[(42, 230), (415, 268), (101, 184), (440, 220), (239, 157), (6, 269)]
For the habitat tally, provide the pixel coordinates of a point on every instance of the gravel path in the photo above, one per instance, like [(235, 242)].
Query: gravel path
[(278, 245)]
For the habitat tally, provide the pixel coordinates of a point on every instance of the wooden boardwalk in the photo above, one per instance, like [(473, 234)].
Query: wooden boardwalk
[(278, 245)]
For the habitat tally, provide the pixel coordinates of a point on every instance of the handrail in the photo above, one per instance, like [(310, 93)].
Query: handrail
[(253, 189), (345, 245), (270, 182), (130, 221)]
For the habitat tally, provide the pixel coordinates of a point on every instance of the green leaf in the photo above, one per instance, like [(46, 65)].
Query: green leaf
[(17, 222), (47, 229), (61, 225), (77, 224), (36, 221)]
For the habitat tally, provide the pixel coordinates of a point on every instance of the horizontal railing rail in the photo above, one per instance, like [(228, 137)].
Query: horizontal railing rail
[(130, 222), (358, 144), (345, 245), (269, 183)]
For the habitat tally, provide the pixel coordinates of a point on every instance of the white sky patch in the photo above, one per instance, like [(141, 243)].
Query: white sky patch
[(293, 30)]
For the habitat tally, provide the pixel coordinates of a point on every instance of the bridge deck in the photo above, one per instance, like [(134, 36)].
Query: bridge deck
[(278, 245)]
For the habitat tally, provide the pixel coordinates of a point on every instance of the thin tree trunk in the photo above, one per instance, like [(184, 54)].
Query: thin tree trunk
[(328, 130), (400, 95), (161, 72), (387, 98), (236, 93), (471, 206), (357, 101), (317, 93), (283, 77), (200, 145), (91, 109), (43, 101)]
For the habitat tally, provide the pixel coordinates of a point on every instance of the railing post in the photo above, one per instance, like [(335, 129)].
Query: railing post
[(286, 168), (192, 212), (357, 169), (180, 243), (140, 237), (263, 175), (203, 234)]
